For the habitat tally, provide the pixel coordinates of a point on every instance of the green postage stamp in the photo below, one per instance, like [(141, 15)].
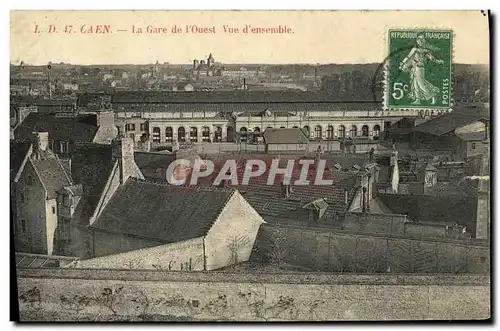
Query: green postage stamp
[(419, 69)]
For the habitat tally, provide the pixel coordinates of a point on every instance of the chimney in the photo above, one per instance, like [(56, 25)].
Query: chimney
[(123, 151), (346, 197), (107, 130), (359, 180), (41, 143), (364, 199)]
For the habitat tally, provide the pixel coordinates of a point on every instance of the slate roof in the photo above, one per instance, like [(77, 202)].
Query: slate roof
[(270, 199), (35, 101), (347, 161), (166, 213), (246, 108), (446, 123), (221, 97), (18, 151), (472, 136), (51, 174), (434, 209), (153, 165), (285, 136), (79, 129), (91, 166)]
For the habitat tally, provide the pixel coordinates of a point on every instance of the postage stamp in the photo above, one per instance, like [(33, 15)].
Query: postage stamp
[(419, 69)]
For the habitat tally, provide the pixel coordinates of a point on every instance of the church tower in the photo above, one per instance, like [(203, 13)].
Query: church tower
[(210, 61)]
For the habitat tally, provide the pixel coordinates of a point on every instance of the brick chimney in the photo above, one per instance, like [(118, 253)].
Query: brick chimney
[(123, 151), (107, 130), (41, 143)]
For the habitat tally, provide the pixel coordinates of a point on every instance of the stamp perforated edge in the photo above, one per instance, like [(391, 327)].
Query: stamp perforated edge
[(385, 71)]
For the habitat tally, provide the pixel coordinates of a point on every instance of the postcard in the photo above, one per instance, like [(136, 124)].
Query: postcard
[(250, 165)]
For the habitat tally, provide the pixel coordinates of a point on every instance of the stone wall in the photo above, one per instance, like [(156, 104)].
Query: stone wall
[(331, 250), (104, 295), (185, 255)]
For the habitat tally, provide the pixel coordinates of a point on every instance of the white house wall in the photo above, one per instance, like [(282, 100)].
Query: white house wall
[(184, 255), (231, 238)]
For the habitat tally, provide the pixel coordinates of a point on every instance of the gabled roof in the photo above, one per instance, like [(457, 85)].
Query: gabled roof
[(51, 174), (79, 129), (91, 166), (446, 123), (166, 213), (18, 153), (285, 136)]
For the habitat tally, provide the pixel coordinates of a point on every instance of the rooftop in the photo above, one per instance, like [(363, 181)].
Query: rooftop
[(224, 97), (285, 136), (52, 175), (432, 209), (18, 151), (253, 108), (80, 129), (446, 123), (166, 213), (91, 166)]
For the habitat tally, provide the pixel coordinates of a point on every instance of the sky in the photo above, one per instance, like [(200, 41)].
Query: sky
[(313, 36)]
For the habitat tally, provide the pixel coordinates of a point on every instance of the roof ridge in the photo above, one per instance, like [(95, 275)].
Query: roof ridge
[(193, 187), (70, 180)]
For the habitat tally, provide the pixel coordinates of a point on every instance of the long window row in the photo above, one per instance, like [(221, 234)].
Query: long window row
[(182, 135), (207, 135), (330, 132)]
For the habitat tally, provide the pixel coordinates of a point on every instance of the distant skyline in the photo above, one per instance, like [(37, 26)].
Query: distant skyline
[(322, 37)]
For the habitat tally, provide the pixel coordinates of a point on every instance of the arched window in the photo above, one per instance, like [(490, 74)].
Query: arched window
[(341, 131), (255, 137), (156, 134), (218, 134), (354, 131), (193, 134), (230, 134), (365, 131), (205, 134), (169, 134), (181, 134), (329, 132), (317, 132), (376, 132), (243, 134)]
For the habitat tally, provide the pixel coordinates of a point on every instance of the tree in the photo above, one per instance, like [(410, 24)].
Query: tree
[(234, 245), (276, 246)]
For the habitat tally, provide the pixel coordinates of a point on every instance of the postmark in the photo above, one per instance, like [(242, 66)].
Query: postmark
[(419, 70)]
